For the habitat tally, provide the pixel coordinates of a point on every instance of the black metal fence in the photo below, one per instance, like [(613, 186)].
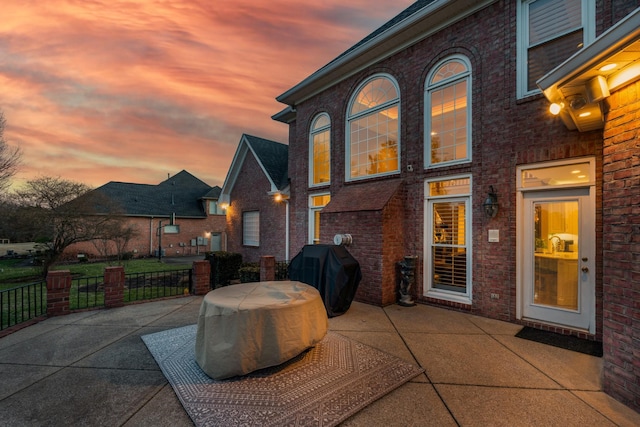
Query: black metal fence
[(26, 302), (86, 292), (158, 284), (22, 303)]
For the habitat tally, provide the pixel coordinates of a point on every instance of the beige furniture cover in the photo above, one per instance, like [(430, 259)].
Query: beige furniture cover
[(242, 328)]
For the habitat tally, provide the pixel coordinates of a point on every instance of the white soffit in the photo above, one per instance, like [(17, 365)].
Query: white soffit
[(619, 45)]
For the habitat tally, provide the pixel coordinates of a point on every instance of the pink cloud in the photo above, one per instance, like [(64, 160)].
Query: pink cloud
[(129, 91)]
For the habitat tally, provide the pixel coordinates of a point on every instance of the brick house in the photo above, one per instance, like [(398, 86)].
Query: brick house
[(255, 194), (432, 137), (180, 215)]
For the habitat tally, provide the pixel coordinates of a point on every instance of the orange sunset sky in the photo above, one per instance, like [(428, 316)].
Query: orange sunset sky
[(113, 90)]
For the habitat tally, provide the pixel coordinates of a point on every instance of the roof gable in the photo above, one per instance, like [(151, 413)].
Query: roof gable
[(272, 157)]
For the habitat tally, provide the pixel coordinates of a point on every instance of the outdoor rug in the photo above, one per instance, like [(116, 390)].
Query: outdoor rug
[(592, 348), (321, 387)]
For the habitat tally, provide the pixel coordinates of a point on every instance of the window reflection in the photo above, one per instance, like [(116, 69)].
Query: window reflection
[(320, 150), (373, 130)]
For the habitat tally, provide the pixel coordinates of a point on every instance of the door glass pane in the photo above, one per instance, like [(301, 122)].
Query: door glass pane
[(556, 254), (575, 174)]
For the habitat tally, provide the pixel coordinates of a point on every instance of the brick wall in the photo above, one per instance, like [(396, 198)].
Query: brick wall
[(621, 246), (250, 194), (146, 241), (507, 132)]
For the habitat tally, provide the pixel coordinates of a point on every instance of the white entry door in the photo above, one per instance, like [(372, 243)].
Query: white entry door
[(558, 251)]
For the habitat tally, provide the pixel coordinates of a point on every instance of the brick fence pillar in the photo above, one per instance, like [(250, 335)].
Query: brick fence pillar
[(114, 286), (201, 277), (58, 288), (267, 268)]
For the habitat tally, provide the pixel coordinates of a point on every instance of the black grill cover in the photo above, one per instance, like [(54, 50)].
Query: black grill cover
[(332, 271)]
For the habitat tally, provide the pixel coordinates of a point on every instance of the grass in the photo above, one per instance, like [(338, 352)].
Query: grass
[(12, 275)]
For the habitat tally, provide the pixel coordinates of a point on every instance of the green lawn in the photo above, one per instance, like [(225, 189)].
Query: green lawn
[(12, 276)]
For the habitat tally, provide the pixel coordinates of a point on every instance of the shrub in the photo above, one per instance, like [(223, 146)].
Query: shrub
[(249, 272)]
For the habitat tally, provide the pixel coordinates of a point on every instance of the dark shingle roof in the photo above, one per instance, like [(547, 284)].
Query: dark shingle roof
[(274, 156), (179, 194)]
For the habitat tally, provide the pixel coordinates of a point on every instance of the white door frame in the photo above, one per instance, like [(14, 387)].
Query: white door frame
[(587, 251)]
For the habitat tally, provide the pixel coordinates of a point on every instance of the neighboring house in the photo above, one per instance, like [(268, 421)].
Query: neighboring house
[(432, 138), (181, 216), (255, 193)]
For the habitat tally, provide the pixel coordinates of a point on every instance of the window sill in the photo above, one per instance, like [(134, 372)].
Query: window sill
[(448, 296)]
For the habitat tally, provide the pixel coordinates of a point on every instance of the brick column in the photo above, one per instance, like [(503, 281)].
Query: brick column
[(58, 287), (201, 277), (114, 287), (267, 268)]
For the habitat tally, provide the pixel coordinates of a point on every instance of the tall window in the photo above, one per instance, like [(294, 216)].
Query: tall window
[(320, 150), (316, 203), (448, 239), (448, 113), (550, 31), (373, 146), (251, 228)]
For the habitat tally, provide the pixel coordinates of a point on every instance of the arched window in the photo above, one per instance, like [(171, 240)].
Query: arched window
[(373, 143), (448, 113), (320, 151)]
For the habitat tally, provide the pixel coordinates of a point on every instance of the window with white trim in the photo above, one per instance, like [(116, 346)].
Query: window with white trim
[(549, 32), (448, 239), (316, 203), (251, 228), (373, 143), (320, 151), (448, 113), (215, 208)]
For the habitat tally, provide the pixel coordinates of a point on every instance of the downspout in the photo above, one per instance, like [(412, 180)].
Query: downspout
[(286, 230), (151, 236)]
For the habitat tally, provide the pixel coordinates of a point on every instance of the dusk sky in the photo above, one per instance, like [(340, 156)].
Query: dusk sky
[(132, 90)]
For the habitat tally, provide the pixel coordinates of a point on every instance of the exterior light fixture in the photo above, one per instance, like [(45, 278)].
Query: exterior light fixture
[(578, 103), (597, 89), (555, 108), (608, 67), (490, 204), (279, 197)]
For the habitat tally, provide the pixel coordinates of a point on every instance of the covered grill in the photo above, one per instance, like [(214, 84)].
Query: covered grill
[(330, 269)]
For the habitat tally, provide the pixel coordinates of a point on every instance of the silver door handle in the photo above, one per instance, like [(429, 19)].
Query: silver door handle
[(585, 269)]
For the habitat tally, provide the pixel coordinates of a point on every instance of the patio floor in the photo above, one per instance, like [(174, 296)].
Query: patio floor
[(92, 368)]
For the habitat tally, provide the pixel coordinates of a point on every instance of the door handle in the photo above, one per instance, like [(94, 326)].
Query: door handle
[(585, 269)]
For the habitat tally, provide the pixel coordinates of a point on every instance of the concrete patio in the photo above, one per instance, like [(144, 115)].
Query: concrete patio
[(92, 368)]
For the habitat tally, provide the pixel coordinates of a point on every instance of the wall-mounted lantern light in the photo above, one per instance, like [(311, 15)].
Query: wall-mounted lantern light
[(490, 204)]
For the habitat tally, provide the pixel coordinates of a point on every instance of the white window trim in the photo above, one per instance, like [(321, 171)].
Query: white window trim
[(349, 118), (312, 210), (427, 110), (429, 291), (312, 133), (250, 242), (588, 10)]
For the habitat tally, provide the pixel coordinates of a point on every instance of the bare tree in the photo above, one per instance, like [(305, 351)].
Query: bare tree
[(65, 212), (10, 157), (115, 239)]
